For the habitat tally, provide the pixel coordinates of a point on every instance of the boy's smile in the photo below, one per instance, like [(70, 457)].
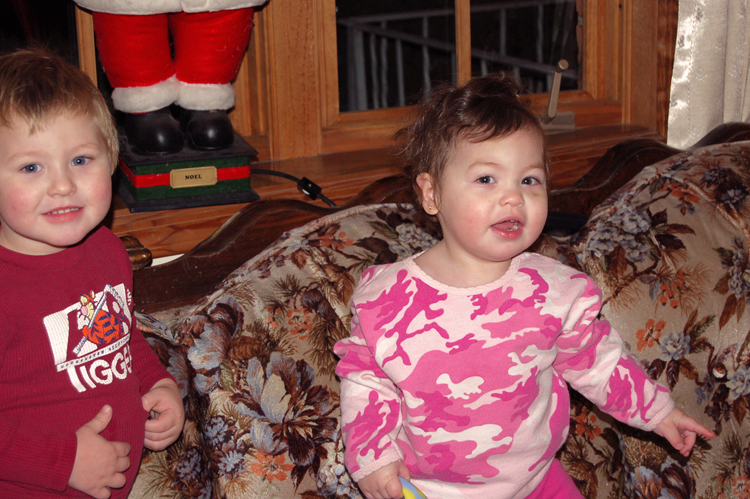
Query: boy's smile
[(492, 205), (55, 185)]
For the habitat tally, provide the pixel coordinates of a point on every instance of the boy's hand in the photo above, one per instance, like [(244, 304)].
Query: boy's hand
[(164, 403), (100, 464), (384, 483), (681, 431)]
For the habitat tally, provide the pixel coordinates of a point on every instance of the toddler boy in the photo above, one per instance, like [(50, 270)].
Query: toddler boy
[(78, 379)]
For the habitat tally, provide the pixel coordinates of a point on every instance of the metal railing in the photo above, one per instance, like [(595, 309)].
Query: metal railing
[(372, 38)]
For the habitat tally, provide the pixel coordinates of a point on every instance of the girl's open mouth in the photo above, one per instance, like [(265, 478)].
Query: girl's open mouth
[(508, 225)]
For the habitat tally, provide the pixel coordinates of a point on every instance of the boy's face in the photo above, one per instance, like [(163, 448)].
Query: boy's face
[(55, 185), (491, 199)]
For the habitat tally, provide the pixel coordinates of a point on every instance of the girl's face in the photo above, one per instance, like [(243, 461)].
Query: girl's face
[(491, 201)]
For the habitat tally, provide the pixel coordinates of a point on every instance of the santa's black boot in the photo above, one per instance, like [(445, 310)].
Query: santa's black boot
[(153, 133), (207, 130)]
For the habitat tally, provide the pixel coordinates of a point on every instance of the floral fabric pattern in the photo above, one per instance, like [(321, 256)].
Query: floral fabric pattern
[(255, 364), (670, 252)]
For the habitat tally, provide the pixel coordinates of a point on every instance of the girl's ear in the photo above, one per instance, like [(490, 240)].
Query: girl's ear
[(428, 193)]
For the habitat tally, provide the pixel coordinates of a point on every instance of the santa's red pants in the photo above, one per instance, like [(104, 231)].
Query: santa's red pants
[(208, 46)]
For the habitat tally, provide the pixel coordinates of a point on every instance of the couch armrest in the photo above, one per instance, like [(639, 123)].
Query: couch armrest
[(140, 256)]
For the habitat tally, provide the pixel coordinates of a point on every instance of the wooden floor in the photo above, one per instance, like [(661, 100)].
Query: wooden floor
[(341, 176)]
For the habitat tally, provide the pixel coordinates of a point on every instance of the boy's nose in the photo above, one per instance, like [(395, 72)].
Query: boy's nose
[(62, 184)]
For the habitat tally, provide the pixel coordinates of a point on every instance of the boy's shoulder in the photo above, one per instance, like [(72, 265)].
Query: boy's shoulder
[(104, 235), (101, 243), (102, 238)]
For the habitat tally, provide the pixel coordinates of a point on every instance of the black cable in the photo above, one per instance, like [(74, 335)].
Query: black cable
[(304, 184)]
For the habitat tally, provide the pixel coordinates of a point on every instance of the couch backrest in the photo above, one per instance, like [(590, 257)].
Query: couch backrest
[(670, 252)]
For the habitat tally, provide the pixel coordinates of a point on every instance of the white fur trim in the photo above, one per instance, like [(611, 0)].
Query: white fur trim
[(146, 99), (205, 97), (214, 5), (131, 7), (144, 7)]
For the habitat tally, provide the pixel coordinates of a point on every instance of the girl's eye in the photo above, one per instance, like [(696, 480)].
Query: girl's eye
[(531, 181), (80, 161), (485, 179), (31, 168)]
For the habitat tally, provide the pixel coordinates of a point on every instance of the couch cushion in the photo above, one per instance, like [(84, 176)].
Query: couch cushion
[(670, 252), (255, 363)]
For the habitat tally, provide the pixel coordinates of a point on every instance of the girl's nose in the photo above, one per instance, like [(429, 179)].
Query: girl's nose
[(512, 197)]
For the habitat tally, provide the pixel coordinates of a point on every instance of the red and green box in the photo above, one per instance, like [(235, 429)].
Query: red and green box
[(187, 178)]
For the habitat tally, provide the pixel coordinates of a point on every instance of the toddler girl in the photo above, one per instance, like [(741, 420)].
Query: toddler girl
[(455, 373)]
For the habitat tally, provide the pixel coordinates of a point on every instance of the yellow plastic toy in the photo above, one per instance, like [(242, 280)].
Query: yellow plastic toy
[(410, 491)]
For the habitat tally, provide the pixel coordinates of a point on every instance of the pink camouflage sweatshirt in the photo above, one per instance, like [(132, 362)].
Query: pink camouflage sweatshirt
[(467, 385)]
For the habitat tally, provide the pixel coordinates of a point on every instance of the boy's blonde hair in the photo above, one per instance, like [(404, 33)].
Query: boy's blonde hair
[(37, 86)]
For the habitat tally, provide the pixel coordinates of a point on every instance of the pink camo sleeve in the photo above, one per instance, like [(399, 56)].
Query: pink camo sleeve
[(593, 359), (370, 407)]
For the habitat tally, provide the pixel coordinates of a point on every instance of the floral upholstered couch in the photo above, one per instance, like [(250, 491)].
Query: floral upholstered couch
[(670, 251)]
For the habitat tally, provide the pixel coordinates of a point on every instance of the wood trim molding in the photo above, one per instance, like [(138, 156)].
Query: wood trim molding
[(292, 41), (640, 62), (593, 19), (631, 63), (463, 41), (667, 29), (329, 82), (86, 43)]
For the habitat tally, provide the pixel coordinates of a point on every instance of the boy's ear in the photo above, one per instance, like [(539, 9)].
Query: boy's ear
[(428, 193)]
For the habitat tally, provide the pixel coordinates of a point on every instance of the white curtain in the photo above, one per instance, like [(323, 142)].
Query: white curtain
[(711, 77)]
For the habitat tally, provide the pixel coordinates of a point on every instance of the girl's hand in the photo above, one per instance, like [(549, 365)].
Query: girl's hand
[(681, 431), (384, 483)]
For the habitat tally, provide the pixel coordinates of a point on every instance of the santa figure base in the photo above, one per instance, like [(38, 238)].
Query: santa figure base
[(185, 179)]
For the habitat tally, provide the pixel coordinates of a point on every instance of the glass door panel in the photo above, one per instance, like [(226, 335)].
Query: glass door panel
[(390, 53), (526, 37)]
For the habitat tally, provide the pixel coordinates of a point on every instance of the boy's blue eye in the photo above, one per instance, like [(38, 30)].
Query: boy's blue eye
[(31, 168), (80, 161)]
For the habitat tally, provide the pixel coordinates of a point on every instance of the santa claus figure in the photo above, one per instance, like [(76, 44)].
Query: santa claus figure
[(148, 74)]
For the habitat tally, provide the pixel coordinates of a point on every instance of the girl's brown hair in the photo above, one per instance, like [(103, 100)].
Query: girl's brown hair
[(483, 108)]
